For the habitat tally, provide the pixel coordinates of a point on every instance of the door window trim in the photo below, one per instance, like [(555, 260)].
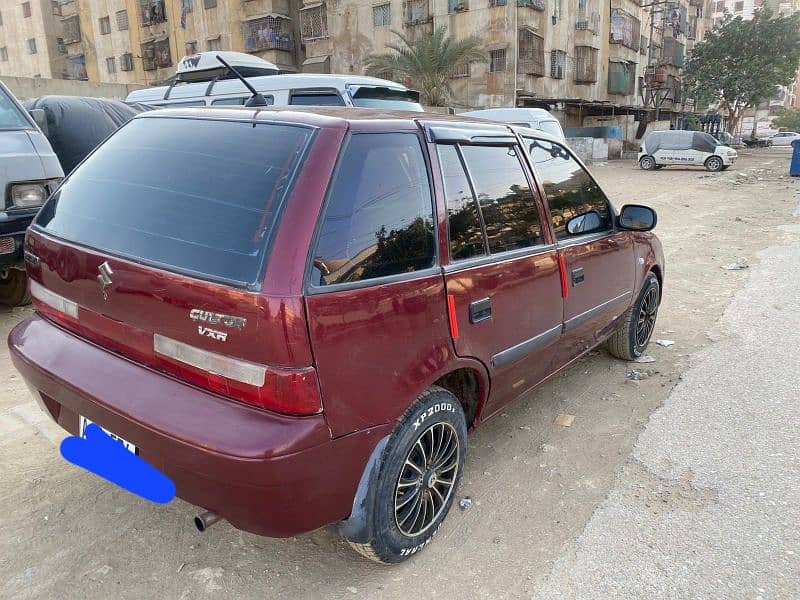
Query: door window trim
[(578, 239), (490, 257), (435, 269)]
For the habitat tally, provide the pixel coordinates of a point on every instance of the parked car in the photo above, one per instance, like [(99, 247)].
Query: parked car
[(29, 172), (757, 142), (201, 80), (679, 147), (535, 118), (784, 138), (296, 334)]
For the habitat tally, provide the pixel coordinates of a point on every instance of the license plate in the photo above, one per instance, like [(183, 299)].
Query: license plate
[(84, 423)]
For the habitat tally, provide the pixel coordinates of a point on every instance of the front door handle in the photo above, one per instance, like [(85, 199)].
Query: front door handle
[(480, 310), (577, 276)]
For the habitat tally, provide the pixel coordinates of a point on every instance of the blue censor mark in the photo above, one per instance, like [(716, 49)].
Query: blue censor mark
[(109, 459)]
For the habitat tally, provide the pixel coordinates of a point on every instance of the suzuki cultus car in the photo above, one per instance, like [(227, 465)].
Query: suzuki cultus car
[(297, 315)]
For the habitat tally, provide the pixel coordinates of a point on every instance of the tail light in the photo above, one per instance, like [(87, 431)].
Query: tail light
[(288, 391)]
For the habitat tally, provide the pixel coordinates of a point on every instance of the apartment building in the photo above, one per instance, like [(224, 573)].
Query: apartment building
[(29, 39), (589, 53)]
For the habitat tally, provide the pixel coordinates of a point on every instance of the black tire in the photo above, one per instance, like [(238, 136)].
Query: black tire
[(14, 288), (647, 163), (714, 164), (435, 424), (630, 340)]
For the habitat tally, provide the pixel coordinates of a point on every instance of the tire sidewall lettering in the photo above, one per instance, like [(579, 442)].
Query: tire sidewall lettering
[(436, 408)]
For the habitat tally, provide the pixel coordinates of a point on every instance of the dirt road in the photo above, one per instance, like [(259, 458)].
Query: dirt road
[(66, 534)]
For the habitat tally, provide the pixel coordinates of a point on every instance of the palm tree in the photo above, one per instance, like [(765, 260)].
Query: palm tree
[(429, 62)]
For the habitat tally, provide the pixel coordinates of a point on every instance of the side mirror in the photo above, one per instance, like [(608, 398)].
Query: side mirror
[(585, 223), (636, 217), (40, 118)]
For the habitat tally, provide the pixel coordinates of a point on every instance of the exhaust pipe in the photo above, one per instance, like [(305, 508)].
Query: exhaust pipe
[(206, 520)]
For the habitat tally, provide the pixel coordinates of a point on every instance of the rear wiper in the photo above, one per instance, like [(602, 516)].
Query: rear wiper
[(256, 99)]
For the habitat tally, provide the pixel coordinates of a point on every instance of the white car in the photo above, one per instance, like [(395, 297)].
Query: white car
[(784, 138), (534, 118), (678, 147)]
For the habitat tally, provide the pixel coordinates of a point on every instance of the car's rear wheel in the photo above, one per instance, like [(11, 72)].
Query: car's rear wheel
[(648, 163), (714, 163), (630, 340), (417, 479), (14, 288)]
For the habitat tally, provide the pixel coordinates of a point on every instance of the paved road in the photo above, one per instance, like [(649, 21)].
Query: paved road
[(708, 504)]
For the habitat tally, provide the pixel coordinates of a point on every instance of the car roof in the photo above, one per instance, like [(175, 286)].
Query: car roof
[(538, 113), (264, 83), (374, 119)]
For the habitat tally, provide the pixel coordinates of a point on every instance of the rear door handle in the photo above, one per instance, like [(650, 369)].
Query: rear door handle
[(480, 310), (577, 276)]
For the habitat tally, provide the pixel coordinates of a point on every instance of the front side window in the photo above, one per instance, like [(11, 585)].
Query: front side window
[(506, 202), (11, 116), (570, 190), (379, 215)]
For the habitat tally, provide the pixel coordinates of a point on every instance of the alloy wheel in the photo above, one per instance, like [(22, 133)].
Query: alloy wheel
[(426, 479), (647, 317)]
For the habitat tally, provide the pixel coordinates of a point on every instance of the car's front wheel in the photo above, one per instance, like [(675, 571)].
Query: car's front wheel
[(648, 163), (14, 288), (631, 339), (417, 479), (714, 163)]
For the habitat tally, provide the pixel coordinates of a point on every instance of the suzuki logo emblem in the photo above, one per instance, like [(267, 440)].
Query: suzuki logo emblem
[(104, 279)]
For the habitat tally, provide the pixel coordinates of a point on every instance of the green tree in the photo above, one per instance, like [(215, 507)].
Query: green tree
[(429, 62), (740, 63), (788, 118)]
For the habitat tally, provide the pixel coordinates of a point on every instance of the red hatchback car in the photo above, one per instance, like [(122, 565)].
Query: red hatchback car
[(296, 315)]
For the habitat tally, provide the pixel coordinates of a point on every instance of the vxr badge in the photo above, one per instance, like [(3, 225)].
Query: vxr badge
[(104, 279)]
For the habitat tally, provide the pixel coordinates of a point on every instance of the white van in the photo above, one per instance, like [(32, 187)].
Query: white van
[(201, 80), (679, 147), (535, 118), (29, 172)]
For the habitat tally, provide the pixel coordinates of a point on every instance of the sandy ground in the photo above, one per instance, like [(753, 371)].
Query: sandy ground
[(540, 492)]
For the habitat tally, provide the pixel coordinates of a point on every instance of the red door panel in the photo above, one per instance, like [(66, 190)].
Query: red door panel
[(516, 340)]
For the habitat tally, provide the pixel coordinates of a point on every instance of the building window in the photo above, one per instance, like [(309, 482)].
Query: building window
[(672, 52), (105, 25), (585, 64), (72, 30), (621, 78), (122, 20), (126, 62), (190, 48), (209, 4), (558, 64), (156, 55), (531, 53), (625, 29), (111, 65), (26, 9), (497, 2), (56, 6), (462, 71), (1, 19), (32, 46), (534, 4), (497, 60), (62, 47), (416, 12), (454, 6), (214, 44), (720, 6), (738, 7), (152, 11), (76, 68), (643, 45), (381, 16), (4, 54), (314, 23), (268, 33)]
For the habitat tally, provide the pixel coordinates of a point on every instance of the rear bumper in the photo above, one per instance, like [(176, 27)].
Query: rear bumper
[(265, 473)]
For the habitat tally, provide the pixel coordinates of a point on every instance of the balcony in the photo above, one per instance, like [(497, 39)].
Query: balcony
[(416, 12), (268, 33), (534, 4)]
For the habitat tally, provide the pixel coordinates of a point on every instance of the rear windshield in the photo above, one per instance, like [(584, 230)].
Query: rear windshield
[(387, 98), (191, 195), (11, 116)]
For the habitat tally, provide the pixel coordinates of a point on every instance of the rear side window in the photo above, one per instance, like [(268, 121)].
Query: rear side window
[(570, 190), (464, 223), (316, 99), (239, 101), (379, 215), (191, 195), (10, 115), (506, 202)]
